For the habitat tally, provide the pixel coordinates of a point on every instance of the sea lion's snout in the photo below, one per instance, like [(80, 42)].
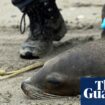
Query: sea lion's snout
[(33, 92), (30, 90), (26, 86)]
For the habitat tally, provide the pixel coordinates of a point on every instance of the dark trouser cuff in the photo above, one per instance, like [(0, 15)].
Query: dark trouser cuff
[(21, 4)]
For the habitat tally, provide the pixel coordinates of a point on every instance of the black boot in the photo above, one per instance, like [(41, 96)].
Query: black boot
[(52, 18), (46, 26)]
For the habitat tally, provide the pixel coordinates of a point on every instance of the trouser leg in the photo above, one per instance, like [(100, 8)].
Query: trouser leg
[(21, 4)]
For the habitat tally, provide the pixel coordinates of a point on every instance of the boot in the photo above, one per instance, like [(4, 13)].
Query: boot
[(52, 18), (46, 26)]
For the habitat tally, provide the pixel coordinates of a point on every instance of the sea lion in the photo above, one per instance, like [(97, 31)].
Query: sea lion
[(61, 75)]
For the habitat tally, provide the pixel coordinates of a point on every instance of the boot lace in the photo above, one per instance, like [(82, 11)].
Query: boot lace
[(23, 23)]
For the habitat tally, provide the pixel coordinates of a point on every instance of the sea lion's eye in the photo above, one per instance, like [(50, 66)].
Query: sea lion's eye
[(54, 79)]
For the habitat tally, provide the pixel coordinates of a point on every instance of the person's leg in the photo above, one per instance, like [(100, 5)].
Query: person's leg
[(46, 25)]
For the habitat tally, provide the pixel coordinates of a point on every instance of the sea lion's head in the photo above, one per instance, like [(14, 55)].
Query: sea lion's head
[(50, 81)]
